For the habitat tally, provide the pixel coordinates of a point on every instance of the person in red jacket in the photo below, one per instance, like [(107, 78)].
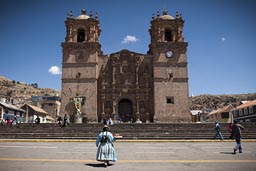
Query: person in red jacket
[(8, 121)]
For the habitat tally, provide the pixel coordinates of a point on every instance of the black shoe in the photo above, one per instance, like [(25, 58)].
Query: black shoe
[(108, 163), (240, 151), (234, 151)]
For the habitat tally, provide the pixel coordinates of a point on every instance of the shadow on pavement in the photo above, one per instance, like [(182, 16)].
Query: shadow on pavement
[(97, 164), (226, 153)]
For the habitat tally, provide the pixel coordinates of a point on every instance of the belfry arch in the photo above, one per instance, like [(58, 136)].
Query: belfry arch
[(81, 35), (168, 35)]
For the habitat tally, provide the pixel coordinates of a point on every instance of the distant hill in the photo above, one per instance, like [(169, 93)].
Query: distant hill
[(22, 92), (212, 102)]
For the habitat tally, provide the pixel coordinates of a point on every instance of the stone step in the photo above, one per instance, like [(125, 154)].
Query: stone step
[(128, 131)]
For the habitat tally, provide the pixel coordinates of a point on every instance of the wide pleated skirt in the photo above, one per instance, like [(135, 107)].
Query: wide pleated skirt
[(106, 152)]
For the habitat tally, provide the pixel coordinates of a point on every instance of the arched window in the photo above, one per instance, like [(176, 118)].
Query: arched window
[(168, 35), (81, 35)]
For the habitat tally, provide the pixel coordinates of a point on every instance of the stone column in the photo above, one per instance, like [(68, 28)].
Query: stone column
[(114, 72), (113, 90), (147, 99), (138, 108), (103, 108), (103, 99), (147, 110), (137, 73), (114, 107)]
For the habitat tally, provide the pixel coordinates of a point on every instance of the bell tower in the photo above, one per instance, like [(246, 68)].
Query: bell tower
[(170, 72), (81, 51)]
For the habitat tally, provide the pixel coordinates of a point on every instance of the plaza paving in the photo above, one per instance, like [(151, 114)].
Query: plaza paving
[(133, 155)]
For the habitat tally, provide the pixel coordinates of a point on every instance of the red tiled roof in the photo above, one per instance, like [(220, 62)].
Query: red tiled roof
[(12, 107), (48, 117), (247, 104), (37, 109), (223, 109)]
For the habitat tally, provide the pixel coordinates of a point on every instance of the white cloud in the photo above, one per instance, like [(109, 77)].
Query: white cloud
[(55, 70), (223, 39), (129, 39)]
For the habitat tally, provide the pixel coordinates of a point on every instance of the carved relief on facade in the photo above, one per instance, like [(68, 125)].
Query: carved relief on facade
[(125, 68)]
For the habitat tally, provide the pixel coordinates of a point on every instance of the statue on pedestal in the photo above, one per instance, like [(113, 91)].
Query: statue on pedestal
[(78, 102)]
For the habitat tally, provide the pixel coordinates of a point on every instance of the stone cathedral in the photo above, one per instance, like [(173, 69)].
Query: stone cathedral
[(125, 86)]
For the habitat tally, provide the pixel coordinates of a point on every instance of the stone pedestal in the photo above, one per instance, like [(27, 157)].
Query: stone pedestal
[(138, 121), (78, 119)]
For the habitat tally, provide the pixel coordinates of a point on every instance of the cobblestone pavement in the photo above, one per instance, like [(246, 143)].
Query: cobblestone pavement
[(135, 156)]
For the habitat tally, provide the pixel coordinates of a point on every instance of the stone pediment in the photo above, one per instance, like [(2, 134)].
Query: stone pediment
[(126, 51)]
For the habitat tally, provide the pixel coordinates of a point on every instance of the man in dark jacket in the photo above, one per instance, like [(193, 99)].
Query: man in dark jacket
[(236, 133), (37, 120)]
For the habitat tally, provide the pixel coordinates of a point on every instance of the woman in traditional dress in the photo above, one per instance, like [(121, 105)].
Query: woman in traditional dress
[(106, 151)]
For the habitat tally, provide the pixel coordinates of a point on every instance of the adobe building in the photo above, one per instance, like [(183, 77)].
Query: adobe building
[(125, 86)]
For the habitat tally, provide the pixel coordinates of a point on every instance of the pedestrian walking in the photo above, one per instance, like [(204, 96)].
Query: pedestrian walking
[(14, 121), (110, 121), (106, 151), (65, 120), (237, 135), (218, 131), (59, 120), (230, 127), (8, 121), (37, 120)]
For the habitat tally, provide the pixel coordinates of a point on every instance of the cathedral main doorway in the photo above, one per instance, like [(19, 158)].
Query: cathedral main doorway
[(125, 113)]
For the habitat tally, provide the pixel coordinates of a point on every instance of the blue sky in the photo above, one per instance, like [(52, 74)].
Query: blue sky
[(221, 36)]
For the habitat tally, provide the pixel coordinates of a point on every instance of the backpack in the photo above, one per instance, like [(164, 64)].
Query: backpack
[(104, 138)]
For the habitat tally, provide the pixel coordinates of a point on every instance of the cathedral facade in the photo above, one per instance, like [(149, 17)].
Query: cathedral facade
[(125, 86)]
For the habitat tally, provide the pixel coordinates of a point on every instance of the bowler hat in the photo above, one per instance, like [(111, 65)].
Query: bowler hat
[(105, 128)]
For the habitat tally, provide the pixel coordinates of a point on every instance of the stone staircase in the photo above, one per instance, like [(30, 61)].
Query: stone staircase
[(157, 131)]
